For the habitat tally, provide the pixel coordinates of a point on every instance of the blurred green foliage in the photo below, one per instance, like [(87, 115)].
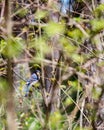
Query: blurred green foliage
[(12, 47), (40, 14), (97, 25), (35, 40), (3, 90), (99, 11), (54, 28)]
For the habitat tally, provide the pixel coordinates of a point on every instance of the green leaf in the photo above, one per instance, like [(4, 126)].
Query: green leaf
[(3, 89), (97, 24), (53, 28), (23, 12), (77, 58), (78, 19), (41, 47), (96, 93), (13, 47), (41, 14), (68, 102), (68, 47), (99, 11), (76, 34), (2, 45), (55, 118)]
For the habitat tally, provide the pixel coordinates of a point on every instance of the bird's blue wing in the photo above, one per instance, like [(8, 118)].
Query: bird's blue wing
[(32, 80), (33, 77)]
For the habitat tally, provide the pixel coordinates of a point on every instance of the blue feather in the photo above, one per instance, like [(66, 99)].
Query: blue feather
[(31, 81)]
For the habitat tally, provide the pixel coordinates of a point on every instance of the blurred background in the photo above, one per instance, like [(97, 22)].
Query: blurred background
[(51, 65)]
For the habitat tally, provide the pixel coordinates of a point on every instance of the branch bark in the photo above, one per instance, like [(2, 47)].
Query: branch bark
[(11, 116)]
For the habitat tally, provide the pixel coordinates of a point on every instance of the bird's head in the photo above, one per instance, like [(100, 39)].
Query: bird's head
[(37, 73)]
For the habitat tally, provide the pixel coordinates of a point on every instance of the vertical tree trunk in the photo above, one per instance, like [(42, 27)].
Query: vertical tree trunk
[(11, 122), (52, 73)]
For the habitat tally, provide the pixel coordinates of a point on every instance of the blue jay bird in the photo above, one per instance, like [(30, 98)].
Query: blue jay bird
[(66, 5), (31, 81)]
